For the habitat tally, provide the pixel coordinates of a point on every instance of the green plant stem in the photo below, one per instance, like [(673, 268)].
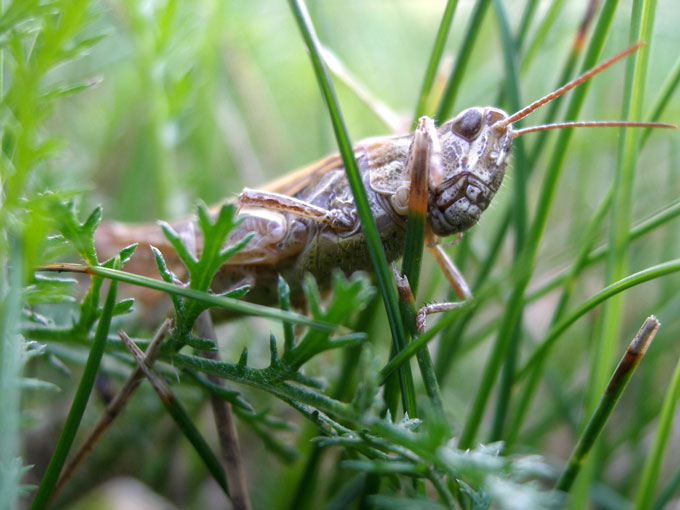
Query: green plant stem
[(616, 385), (519, 215), (668, 491), (526, 260), (368, 224), (653, 464), (212, 300), (435, 58), (11, 365), (472, 33), (560, 309), (79, 403), (604, 349), (664, 96), (178, 414), (259, 379), (445, 355), (645, 275), (602, 252)]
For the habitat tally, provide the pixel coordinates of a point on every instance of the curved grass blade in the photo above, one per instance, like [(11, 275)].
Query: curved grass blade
[(519, 213), (368, 224), (451, 91), (643, 276), (210, 299), (174, 408), (530, 251), (650, 473), (617, 384), (68, 433), (435, 58)]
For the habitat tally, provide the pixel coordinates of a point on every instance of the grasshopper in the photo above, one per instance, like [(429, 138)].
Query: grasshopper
[(307, 222)]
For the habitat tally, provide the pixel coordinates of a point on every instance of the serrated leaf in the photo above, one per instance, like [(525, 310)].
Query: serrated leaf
[(167, 276), (236, 293), (202, 344), (81, 236), (124, 306), (174, 239), (124, 255)]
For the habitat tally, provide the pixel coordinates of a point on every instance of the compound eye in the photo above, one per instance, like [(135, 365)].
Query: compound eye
[(468, 124)]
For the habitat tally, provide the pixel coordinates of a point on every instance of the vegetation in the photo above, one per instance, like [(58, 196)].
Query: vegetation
[(135, 111)]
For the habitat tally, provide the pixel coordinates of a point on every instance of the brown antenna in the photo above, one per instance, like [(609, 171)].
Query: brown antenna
[(501, 124), (591, 123)]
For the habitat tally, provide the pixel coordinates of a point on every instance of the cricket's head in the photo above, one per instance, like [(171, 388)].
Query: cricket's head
[(474, 157), (475, 147)]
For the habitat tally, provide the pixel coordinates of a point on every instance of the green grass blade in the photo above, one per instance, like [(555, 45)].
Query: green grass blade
[(633, 280), (525, 22), (80, 399), (451, 91), (650, 473), (542, 32), (444, 356), (598, 254), (616, 385), (435, 58), (178, 414), (667, 90), (629, 143), (224, 302), (510, 59), (668, 491), (11, 366), (368, 225), (526, 261)]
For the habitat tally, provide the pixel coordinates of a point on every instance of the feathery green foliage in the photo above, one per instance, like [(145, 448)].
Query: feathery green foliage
[(150, 107)]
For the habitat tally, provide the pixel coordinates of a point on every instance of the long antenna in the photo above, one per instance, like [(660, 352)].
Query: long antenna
[(591, 123), (501, 124)]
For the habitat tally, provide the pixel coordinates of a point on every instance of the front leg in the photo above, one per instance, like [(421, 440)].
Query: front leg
[(337, 219), (426, 172)]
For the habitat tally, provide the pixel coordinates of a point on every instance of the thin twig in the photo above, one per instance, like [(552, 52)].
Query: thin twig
[(617, 383), (226, 426), (111, 412), (178, 414)]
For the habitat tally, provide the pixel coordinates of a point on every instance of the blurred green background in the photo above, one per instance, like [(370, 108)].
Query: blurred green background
[(196, 100)]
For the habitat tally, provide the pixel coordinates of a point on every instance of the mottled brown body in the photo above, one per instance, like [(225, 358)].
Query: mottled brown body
[(466, 160), (306, 221), (309, 246)]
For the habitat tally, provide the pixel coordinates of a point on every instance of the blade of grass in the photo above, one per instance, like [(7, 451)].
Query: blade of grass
[(579, 263), (224, 302), (368, 224), (668, 491), (178, 414), (633, 280), (600, 253), (113, 409), (629, 143), (541, 32), (435, 58), (425, 153), (519, 213), (10, 374), (527, 259), (445, 355), (617, 384), (472, 33), (80, 399), (650, 473), (664, 96)]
